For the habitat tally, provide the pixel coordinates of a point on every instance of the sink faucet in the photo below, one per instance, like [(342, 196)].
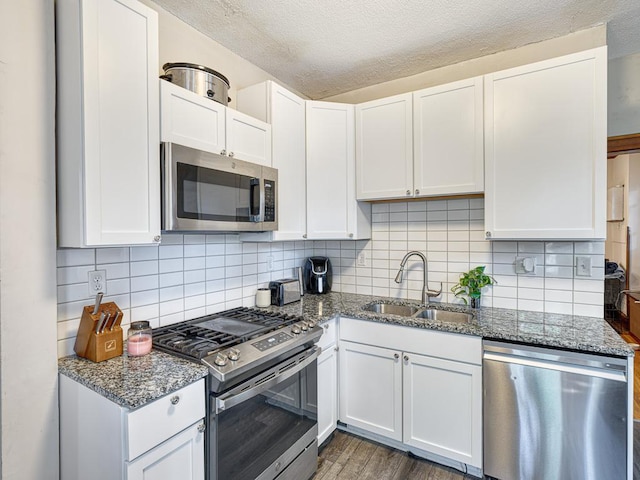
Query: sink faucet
[(426, 293)]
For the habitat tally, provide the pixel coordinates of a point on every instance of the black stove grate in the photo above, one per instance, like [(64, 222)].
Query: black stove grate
[(190, 340)]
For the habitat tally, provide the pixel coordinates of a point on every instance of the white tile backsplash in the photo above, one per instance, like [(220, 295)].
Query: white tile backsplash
[(193, 275)]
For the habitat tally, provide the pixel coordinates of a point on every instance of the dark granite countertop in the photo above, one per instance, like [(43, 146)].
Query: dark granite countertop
[(571, 332), (132, 382)]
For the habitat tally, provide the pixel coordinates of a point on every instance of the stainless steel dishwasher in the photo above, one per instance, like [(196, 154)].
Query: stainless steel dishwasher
[(552, 414)]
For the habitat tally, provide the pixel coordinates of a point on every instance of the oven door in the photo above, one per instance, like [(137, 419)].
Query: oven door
[(207, 192), (267, 428)]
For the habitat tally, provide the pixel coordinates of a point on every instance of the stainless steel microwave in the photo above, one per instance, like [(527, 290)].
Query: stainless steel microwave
[(206, 192)]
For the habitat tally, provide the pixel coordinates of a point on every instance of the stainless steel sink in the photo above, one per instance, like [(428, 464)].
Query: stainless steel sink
[(391, 309), (445, 316)]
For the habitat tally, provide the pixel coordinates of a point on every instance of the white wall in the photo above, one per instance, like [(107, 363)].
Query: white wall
[(28, 366), (624, 95), (616, 244), (575, 42), (180, 42), (634, 221)]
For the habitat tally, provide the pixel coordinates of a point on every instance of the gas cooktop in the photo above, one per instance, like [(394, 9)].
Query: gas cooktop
[(237, 343)]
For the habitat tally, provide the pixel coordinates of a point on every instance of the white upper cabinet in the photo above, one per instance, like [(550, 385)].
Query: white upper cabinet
[(191, 120), (285, 112), (107, 123), (199, 122), (384, 148), (247, 138), (448, 139), (332, 209), (545, 149)]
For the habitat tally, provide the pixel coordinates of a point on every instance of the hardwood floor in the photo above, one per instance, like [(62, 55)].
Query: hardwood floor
[(348, 457)]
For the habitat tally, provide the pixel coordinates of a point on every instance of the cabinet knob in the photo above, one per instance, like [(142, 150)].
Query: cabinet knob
[(351, 235), (326, 327), (175, 399), (396, 356), (156, 238), (304, 235), (202, 427), (417, 192), (406, 358), (223, 152), (335, 349), (487, 234), (231, 154), (408, 193)]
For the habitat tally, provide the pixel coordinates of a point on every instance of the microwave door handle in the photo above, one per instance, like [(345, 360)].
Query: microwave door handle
[(255, 201)]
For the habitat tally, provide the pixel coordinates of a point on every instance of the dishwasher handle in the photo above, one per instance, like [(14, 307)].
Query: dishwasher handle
[(600, 372)]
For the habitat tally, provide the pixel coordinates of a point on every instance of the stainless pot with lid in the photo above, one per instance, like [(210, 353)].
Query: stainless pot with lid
[(199, 79)]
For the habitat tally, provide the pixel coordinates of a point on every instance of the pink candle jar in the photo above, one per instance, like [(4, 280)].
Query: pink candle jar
[(139, 339)]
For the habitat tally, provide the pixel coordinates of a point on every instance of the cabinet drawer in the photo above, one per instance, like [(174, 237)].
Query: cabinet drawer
[(154, 423), (451, 346), (330, 334)]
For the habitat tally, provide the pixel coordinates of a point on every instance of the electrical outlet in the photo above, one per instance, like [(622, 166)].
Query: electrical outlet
[(583, 266), (362, 259), (97, 282)]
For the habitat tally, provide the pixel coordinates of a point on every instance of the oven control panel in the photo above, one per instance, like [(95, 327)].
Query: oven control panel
[(272, 341)]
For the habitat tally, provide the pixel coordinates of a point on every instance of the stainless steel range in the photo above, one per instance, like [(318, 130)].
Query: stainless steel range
[(262, 396)]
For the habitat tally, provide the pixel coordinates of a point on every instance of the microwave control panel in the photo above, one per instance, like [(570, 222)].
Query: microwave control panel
[(269, 201)]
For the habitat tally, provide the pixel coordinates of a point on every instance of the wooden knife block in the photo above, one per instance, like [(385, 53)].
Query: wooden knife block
[(99, 346)]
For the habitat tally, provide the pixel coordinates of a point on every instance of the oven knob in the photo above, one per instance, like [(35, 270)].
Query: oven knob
[(233, 354), (304, 326), (220, 360), (311, 323), (295, 329)]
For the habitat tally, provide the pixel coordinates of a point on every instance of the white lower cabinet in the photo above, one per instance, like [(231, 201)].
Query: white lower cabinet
[(161, 440), (416, 386), (442, 407), (371, 389), (327, 382), (182, 456)]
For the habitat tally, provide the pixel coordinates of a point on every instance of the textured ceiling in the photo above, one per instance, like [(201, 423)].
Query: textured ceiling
[(326, 47)]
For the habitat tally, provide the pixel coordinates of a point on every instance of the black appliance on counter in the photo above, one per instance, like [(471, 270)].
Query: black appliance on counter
[(317, 275), (261, 396)]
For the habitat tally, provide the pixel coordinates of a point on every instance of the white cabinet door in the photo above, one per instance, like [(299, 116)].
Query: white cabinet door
[(285, 112), (327, 392), (332, 209), (180, 457), (448, 143), (371, 389), (191, 120), (443, 407), (108, 148), (384, 148), (545, 148), (248, 138)]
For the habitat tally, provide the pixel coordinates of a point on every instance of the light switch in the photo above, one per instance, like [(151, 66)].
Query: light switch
[(583, 266)]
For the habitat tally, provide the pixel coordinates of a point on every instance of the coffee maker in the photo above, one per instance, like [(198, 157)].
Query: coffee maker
[(317, 275)]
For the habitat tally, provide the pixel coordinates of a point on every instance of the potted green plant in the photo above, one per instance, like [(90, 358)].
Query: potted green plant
[(471, 285)]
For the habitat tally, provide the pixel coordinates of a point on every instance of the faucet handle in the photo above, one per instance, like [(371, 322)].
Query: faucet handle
[(433, 293)]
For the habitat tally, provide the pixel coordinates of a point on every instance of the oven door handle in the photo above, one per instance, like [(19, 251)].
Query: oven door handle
[(232, 399)]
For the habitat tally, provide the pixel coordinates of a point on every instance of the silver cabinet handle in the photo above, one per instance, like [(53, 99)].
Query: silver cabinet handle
[(417, 192), (335, 349), (408, 192), (406, 358), (156, 238), (487, 234), (396, 356), (326, 327), (351, 235), (304, 236), (202, 427), (231, 154), (223, 152), (175, 399)]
